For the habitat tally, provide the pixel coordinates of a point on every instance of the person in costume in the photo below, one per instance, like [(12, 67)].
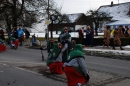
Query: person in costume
[(117, 35), (65, 39), (73, 43), (106, 36), (50, 46), (75, 67), (54, 61), (2, 45)]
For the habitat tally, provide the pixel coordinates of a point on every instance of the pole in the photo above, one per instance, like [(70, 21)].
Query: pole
[(48, 24)]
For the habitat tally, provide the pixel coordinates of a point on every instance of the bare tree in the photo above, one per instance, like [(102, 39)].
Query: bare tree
[(15, 12), (96, 16)]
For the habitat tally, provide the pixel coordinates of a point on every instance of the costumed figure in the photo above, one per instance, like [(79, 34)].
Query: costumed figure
[(54, 61), (65, 39), (2, 45), (75, 67), (106, 36), (117, 35)]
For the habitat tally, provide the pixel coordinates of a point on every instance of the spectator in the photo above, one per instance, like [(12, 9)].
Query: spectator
[(92, 37), (20, 36), (89, 36), (75, 68), (2, 34), (46, 35), (126, 34), (81, 35), (123, 30), (15, 33), (27, 36)]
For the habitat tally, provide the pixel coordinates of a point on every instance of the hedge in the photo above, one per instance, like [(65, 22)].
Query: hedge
[(99, 41)]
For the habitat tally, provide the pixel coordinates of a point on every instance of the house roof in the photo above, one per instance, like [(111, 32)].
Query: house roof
[(74, 17), (117, 11), (68, 18), (120, 22)]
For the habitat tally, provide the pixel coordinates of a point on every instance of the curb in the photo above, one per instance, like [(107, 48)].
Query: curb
[(122, 55)]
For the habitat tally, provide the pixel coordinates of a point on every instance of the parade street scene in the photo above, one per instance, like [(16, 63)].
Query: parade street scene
[(64, 43)]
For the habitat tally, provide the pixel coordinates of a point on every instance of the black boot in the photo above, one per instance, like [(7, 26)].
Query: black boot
[(121, 48), (114, 48)]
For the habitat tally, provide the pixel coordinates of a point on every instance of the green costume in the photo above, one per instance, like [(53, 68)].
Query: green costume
[(64, 39), (77, 52), (54, 54)]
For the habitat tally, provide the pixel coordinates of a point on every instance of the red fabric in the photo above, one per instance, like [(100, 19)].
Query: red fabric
[(56, 67), (73, 77), (16, 43), (80, 33), (4, 48), (1, 47)]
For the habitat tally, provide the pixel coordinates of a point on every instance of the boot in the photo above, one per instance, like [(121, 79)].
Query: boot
[(121, 48), (114, 47)]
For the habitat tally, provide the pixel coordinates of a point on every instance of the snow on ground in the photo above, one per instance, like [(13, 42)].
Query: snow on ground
[(116, 52), (73, 34)]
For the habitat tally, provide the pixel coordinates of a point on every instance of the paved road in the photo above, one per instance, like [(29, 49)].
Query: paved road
[(10, 76), (116, 66), (26, 57), (33, 56)]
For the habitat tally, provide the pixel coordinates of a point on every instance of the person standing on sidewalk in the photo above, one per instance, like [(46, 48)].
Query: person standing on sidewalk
[(81, 35), (20, 36), (117, 35), (106, 36), (75, 68), (89, 36), (27, 35)]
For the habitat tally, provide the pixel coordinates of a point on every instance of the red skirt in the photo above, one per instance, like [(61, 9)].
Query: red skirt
[(56, 67), (73, 77), (1, 47), (4, 48), (16, 43)]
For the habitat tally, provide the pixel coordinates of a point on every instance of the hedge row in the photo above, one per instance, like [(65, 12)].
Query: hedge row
[(99, 41)]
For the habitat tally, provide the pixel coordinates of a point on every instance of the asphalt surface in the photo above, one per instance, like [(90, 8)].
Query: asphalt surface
[(103, 71)]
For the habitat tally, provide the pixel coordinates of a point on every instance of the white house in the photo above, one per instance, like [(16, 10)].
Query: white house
[(120, 14)]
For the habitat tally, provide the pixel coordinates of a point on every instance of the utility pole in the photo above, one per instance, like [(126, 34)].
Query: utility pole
[(48, 24)]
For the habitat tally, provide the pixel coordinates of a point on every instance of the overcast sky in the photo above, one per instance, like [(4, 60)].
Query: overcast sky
[(82, 6)]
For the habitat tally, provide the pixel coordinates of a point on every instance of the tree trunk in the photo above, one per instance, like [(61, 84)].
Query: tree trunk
[(96, 28), (51, 29)]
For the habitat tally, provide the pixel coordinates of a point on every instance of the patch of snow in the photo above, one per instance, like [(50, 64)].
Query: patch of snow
[(116, 52)]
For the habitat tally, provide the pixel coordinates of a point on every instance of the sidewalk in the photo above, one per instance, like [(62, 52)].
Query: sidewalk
[(109, 52)]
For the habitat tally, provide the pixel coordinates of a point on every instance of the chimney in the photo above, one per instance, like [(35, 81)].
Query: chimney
[(111, 3)]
